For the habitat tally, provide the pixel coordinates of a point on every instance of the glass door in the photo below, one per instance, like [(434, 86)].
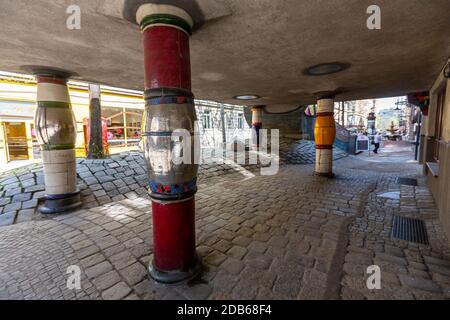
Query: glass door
[(16, 141)]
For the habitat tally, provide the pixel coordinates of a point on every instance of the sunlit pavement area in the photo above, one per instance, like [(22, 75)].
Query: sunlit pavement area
[(288, 236), (391, 151)]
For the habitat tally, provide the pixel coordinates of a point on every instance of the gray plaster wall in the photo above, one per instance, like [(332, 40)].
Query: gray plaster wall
[(289, 124)]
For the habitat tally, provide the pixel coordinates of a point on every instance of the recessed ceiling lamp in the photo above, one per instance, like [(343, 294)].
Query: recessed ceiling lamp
[(247, 97), (325, 68)]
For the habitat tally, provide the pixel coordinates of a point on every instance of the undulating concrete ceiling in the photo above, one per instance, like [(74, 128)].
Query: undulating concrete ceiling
[(242, 46)]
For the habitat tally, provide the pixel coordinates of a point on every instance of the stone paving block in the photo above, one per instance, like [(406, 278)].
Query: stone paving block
[(12, 207), (30, 204), (346, 294), (86, 252), (117, 292), (354, 257), (99, 174), (99, 193), (92, 260), (278, 241), (106, 241), (84, 174), (215, 258), (232, 266), (134, 273), (237, 252), (390, 258), (242, 241), (12, 189), (196, 292), (119, 183), (124, 190), (82, 244), (131, 195), (128, 180), (24, 215), (122, 260), (222, 245), (5, 201), (96, 187), (419, 283), (132, 242), (7, 219), (111, 226), (109, 186), (287, 286), (435, 261), (91, 181), (439, 269), (98, 269)]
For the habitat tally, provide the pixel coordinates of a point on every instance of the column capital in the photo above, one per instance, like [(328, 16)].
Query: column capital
[(325, 107), (49, 72), (325, 95), (258, 108), (151, 14), (94, 91)]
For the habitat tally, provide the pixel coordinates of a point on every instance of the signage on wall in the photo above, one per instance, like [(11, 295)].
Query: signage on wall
[(421, 100)]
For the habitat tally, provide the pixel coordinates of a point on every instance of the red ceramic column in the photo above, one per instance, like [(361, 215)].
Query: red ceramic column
[(169, 109)]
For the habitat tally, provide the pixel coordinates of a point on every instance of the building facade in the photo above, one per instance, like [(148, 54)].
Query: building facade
[(121, 109), (435, 148)]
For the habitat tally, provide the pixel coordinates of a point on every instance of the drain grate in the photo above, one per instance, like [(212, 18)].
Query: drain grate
[(407, 181), (408, 229)]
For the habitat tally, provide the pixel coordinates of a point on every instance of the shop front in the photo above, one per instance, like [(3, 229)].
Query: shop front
[(121, 110), (122, 114)]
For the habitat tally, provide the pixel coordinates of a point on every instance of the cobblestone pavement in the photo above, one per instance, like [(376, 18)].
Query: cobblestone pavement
[(118, 177), (409, 270), (288, 236)]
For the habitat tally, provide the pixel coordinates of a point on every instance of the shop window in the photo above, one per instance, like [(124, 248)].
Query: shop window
[(124, 126), (16, 140), (134, 126)]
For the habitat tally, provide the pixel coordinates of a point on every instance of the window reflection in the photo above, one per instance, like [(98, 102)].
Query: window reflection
[(124, 126)]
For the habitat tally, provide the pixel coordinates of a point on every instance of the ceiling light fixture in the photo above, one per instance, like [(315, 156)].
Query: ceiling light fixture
[(325, 68), (247, 97)]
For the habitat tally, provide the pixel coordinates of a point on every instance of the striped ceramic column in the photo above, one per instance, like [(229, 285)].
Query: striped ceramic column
[(169, 108), (324, 135), (257, 125), (56, 131)]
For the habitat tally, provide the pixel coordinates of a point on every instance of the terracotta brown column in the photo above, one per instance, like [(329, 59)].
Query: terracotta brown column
[(324, 135), (56, 132), (169, 108)]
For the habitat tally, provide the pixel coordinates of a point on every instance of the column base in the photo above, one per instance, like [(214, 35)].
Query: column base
[(175, 276), (329, 175), (60, 203)]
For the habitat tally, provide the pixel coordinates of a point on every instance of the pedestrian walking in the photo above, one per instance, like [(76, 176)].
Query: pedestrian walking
[(376, 142)]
